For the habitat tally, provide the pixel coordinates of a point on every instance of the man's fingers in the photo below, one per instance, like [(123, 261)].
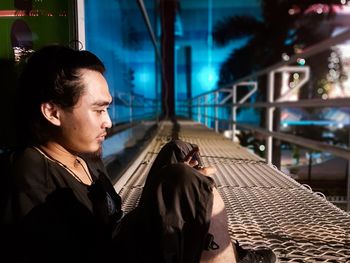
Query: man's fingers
[(209, 170), (190, 155), (193, 163)]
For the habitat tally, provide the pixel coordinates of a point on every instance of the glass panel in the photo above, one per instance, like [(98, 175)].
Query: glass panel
[(117, 33), (198, 58)]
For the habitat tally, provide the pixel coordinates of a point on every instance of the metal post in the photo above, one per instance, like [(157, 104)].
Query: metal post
[(81, 24), (234, 111), (269, 115), (216, 112), (130, 108), (206, 110), (199, 110), (309, 166)]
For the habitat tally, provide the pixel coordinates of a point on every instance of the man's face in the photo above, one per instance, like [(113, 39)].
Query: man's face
[(84, 127)]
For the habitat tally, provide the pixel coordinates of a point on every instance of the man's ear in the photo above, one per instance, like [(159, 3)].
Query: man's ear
[(51, 113)]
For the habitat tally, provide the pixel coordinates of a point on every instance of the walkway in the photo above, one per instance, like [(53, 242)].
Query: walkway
[(266, 208)]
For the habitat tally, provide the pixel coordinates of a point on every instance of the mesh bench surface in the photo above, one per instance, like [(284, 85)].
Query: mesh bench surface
[(265, 207)]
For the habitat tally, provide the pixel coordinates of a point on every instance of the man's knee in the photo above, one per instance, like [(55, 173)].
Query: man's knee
[(186, 191), (182, 175)]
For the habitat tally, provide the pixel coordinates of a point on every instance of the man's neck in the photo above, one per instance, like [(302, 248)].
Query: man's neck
[(60, 153), (73, 163)]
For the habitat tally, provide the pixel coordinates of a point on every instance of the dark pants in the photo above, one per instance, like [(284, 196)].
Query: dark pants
[(172, 220)]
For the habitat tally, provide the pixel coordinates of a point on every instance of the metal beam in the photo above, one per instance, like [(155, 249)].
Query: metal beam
[(149, 28), (339, 102), (308, 143), (80, 5)]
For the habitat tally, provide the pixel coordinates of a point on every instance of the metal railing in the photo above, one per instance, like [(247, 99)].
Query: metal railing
[(137, 107), (200, 105)]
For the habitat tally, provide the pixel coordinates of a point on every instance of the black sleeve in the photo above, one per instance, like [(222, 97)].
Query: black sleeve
[(45, 223), (29, 184)]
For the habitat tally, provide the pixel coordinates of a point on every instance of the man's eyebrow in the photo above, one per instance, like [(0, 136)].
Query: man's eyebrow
[(101, 103)]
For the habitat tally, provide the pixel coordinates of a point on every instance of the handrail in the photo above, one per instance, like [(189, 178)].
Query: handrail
[(338, 102), (229, 92), (316, 145), (134, 100)]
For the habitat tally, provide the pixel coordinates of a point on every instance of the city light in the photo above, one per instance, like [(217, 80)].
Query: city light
[(207, 77)]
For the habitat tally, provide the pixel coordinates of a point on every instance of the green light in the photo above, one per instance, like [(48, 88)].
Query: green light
[(301, 61)]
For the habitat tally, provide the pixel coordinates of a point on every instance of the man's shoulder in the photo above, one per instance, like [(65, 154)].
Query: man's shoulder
[(26, 157), (22, 157), (28, 165)]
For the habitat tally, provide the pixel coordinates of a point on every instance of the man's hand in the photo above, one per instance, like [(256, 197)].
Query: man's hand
[(208, 170), (189, 159)]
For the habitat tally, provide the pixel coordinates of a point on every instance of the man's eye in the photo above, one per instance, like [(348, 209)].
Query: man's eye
[(102, 110)]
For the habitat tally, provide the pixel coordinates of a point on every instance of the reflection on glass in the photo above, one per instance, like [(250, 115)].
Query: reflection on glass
[(117, 33), (33, 24)]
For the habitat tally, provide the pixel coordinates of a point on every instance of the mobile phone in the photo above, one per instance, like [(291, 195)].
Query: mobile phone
[(196, 157)]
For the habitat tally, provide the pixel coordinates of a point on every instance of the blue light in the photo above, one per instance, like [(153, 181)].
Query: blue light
[(207, 78), (144, 82), (309, 123), (143, 77)]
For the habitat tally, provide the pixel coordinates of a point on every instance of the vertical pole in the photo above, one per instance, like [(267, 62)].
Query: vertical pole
[(216, 111), (188, 66), (234, 110), (199, 110), (206, 110), (269, 116), (81, 24), (167, 17), (309, 166), (130, 108)]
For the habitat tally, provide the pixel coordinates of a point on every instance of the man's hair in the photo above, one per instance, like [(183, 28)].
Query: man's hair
[(51, 74)]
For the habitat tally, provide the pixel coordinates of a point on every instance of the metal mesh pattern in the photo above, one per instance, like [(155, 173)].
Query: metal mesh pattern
[(297, 224), (221, 148), (248, 174), (265, 207), (130, 197)]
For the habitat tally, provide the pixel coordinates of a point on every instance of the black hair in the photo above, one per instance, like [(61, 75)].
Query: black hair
[(51, 74)]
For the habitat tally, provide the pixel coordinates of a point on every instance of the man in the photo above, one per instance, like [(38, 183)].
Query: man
[(62, 205)]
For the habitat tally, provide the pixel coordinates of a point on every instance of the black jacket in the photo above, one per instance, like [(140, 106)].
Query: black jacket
[(48, 216)]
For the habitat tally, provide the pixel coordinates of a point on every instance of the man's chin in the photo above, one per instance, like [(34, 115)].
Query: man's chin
[(94, 154)]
